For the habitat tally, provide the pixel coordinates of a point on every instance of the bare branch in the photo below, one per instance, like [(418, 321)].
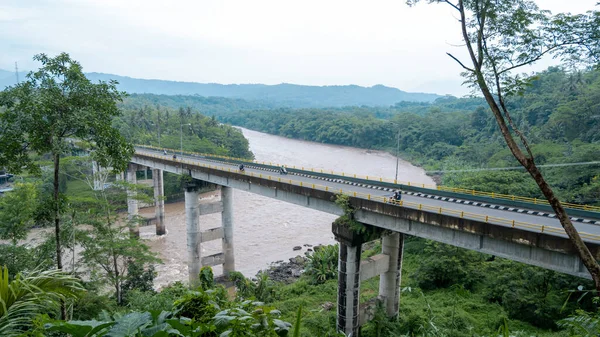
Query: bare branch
[(453, 5), (537, 57), (461, 64)]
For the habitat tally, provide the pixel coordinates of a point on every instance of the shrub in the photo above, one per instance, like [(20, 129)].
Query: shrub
[(197, 305), (141, 300), (322, 264), (443, 266)]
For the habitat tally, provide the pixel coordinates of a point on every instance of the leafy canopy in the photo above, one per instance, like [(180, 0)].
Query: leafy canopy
[(56, 104)]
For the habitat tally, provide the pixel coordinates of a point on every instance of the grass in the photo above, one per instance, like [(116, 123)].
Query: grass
[(79, 188)]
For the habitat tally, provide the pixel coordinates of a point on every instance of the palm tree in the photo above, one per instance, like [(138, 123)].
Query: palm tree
[(30, 294)]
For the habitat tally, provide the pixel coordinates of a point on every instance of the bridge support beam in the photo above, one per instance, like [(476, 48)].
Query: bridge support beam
[(350, 244), (227, 224), (132, 203), (159, 201), (192, 214), (389, 282)]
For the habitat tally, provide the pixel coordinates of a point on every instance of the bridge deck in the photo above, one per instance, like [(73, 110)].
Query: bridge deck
[(530, 222)]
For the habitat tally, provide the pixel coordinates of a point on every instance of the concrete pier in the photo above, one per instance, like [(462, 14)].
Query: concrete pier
[(389, 282), (159, 201), (350, 244), (227, 224), (132, 203), (192, 213)]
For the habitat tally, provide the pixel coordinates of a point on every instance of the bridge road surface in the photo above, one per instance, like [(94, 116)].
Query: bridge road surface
[(496, 213)]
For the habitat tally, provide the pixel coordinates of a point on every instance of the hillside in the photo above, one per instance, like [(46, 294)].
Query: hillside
[(288, 95), (291, 95)]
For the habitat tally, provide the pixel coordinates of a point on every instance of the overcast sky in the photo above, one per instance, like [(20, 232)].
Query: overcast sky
[(314, 42)]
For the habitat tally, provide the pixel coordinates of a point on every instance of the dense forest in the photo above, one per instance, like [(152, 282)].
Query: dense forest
[(558, 113)]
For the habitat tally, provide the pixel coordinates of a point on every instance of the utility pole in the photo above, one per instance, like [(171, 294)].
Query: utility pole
[(397, 157), (17, 72)]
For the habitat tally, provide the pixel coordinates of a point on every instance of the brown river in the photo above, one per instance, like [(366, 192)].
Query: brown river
[(267, 230)]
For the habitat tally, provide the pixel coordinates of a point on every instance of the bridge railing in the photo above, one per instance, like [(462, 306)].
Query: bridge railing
[(387, 200), (511, 199)]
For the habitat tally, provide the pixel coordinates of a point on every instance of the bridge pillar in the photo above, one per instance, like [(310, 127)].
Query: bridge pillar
[(350, 246), (389, 282), (159, 201), (192, 214), (132, 203), (227, 223)]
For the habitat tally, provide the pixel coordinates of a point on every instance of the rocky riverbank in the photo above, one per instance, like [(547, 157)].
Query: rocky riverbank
[(290, 271)]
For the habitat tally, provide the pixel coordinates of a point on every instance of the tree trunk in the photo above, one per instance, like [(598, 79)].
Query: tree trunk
[(63, 308), (56, 212), (582, 250), (528, 163), (118, 293)]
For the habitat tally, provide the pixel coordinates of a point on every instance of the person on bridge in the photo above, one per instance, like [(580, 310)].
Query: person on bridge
[(397, 195), (282, 170), (165, 152), (242, 167)]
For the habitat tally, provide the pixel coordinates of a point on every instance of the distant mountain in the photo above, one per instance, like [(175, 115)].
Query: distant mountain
[(289, 95), (8, 78)]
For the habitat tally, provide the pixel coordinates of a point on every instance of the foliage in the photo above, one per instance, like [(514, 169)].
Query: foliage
[(156, 301), (173, 128), (17, 212), (22, 258), (533, 294), (443, 265), (322, 264), (557, 111), (110, 250), (251, 319), (200, 306), (42, 114), (582, 324), (30, 294), (207, 279), (138, 278), (262, 289)]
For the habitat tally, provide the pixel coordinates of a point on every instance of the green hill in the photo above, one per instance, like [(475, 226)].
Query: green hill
[(290, 95)]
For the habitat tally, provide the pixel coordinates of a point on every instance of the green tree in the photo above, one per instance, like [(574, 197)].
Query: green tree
[(55, 104), (109, 250), (502, 36), (17, 211)]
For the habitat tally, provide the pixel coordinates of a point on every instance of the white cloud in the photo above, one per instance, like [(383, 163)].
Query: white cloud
[(239, 41)]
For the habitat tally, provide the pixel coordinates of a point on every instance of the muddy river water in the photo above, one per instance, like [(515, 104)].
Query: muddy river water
[(267, 230)]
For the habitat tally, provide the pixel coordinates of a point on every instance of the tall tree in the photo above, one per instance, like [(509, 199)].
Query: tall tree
[(43, 114), (500, 37), (110, 252)]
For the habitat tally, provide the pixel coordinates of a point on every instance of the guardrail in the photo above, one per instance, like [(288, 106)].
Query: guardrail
[(413, 205), (512, 199)]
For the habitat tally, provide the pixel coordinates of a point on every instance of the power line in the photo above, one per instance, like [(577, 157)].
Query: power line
[(515, 167)]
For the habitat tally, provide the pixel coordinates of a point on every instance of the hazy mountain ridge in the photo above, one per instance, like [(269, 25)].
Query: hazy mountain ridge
[(292, 95), (285, 94)]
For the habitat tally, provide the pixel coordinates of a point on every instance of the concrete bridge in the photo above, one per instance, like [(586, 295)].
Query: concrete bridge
[(506, 226)]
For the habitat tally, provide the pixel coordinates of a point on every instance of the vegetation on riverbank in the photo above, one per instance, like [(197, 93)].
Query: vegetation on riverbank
[(557, 113)]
